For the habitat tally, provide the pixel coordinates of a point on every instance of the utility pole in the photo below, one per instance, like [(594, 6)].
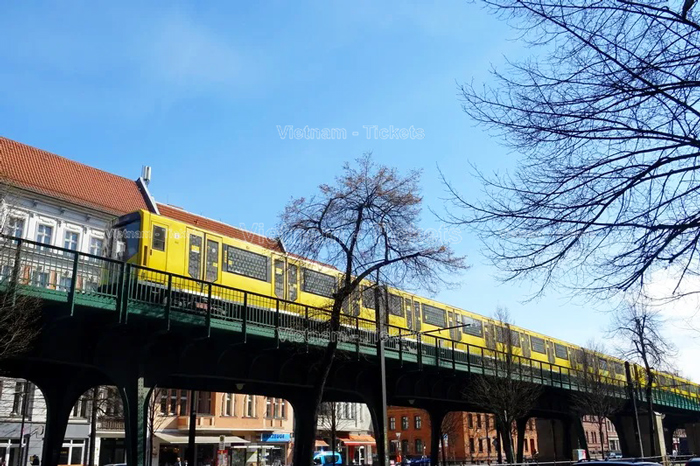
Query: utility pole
[(381, 439), (25, 407), (192, 428)]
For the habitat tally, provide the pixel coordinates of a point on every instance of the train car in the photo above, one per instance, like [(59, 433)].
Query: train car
[(194, 247)]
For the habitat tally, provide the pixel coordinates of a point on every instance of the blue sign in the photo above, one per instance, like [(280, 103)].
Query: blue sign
[(275, 437)]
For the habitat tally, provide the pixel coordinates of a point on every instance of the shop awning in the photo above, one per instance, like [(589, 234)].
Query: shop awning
[(200, 439), (321, 443), (357, 440)]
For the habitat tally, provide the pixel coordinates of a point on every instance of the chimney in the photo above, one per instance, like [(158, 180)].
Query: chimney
[(146, 174)]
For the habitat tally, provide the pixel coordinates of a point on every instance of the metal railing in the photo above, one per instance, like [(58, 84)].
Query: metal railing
[(81, 279)]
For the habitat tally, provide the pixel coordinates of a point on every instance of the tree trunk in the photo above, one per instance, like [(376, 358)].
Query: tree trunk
[(333, 427), (93, 426), (304, 456), (600, 433), (504, 431), (652, 420)]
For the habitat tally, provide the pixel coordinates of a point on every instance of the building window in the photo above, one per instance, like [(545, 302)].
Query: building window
[(525, 445), (183, 402), (14, 227), (18, 399), (228, 404), (404, 447), (471, 445), (250, 406), (40, 278), (419, 446), (80, 409), (158, 238), (70, 240), (478, 421), (418, 422), (470, 421), (65, 282), (268, 407), (392, 423), (204, 403), (164, 402), (392, 447), (481, 445), (404, 422), (173, 403), (283, 409), (72, 452), (44, 233), (96, 246)]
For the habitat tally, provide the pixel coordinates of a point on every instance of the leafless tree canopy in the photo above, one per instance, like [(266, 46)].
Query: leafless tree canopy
[(19, 314), (640, 330), (504, 394), (366, 225), (598, 397), (606, 118)]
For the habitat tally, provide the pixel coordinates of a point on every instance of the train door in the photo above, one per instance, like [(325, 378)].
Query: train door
[(490, 335), (409, 314), (416, 315), (525, 342), (451, 324), (195, 243), (550, 351), (157, 257), (212, 271), (278, 277), (458, 330)]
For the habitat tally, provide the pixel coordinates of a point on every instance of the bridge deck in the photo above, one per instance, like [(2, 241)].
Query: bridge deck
[(78, 279)]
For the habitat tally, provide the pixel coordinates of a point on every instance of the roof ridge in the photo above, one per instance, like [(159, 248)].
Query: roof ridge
[(3, 138), (217, 221)]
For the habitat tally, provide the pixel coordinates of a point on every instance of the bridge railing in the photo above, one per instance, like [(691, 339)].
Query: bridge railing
[(84, 279)]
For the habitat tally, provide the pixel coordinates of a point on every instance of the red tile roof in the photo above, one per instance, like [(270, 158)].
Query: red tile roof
[(49, 174), (218, 227)]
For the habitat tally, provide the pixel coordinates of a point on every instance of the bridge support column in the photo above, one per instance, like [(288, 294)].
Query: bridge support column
[(692, 432), (557, 438), (376, 406), (436, 418), (60, 400), (669, 428), (304, 429), (659, 443), (135, 396), (520, 447), (626, 428)]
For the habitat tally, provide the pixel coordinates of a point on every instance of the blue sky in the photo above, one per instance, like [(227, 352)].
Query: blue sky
[(197, 91)]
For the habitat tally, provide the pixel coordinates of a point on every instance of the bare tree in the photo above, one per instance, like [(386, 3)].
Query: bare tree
[(19, 314), (154, 419), (504, 392), (599, 397), (640, 331), (331, 421), (606, 118), (366, 225), (451, 427)]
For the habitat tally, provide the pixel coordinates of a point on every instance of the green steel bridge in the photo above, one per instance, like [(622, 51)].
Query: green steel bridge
[(77, 279)]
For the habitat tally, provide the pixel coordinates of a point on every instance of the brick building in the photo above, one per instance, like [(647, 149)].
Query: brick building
[(468, 436)]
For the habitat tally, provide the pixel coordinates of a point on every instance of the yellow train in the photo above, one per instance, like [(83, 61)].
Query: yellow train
[(192, 246)]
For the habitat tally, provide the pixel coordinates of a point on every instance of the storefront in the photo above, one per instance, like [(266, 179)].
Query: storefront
[(277, 445), (170, 447), (357, 449)]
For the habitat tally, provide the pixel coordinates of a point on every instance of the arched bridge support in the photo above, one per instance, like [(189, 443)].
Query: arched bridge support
[(558, 438)]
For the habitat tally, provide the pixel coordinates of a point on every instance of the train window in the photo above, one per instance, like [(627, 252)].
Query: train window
[(318, 283), (603, 364), (246, 263), (195, 256), (158, 238), (368, 294), (537, 345), (580, 356), (212, 272), (292, 282), (561, 351), (472, 326), (501, 336), (434, 316), (395, 305), (618, 368)]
